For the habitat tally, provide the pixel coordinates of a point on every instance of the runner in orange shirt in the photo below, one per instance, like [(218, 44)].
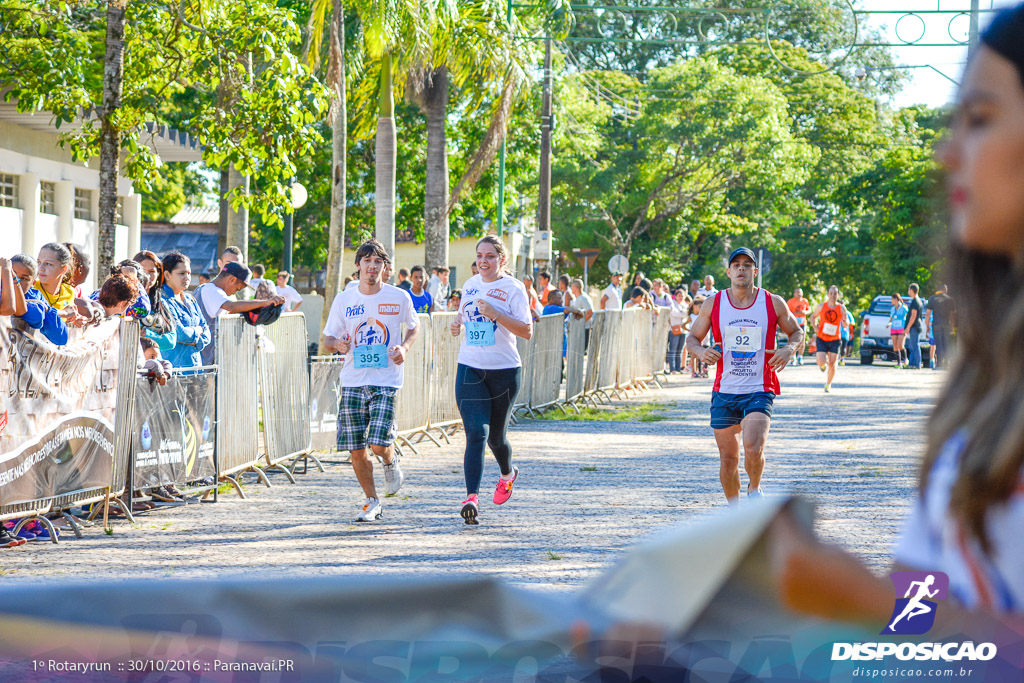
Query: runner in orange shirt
[(800, 307), (831, 315)]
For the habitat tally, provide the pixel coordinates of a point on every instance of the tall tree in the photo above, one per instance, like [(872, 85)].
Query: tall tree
[(110, 132), (336, 75)]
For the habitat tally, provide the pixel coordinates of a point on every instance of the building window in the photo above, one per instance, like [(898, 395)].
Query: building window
[(8, 190), (47, 197), (83, 204), (119, 211)]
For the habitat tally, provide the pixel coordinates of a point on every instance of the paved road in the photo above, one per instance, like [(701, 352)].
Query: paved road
[(589, 491)]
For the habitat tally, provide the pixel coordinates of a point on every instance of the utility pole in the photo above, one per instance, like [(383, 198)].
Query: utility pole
[(973, 36), (544, 201), (501, 155)]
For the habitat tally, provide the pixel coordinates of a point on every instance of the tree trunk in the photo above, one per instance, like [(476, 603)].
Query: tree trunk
[(110, 135), (238, 221), (387, 158), (435, 201), (544, 198), (339, 134)]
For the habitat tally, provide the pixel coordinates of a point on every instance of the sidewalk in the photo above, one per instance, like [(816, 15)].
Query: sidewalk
[(587, 492)]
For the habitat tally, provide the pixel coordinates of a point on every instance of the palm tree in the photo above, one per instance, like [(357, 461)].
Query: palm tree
[(391, 27), (339, 138), (476, 48)]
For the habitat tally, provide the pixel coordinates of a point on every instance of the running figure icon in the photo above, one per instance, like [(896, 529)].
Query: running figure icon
[(915, 607)]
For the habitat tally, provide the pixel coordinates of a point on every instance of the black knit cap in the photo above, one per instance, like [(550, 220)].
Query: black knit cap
[(1005, 35)]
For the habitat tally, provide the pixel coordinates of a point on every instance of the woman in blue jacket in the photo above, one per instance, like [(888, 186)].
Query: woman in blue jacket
[(192, 334)]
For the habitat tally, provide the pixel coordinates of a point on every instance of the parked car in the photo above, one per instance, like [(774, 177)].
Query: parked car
[(874, 333)]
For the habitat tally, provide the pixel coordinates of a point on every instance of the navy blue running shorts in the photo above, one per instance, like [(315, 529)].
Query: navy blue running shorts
[(823, 346), (728, 410)]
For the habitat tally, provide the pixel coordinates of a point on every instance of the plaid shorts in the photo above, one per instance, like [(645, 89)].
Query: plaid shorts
[(362, 410)]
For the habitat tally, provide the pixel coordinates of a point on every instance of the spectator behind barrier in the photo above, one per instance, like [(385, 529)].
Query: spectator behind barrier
[(81, 265), (159, 325), (38, 314), (154, 367), (12, 298), (293, 300), (455, 300), (192, 333), (117, 294), (215, 299), (53, 264), (141, 307)]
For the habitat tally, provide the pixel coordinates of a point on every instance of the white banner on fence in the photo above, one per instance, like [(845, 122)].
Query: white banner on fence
[(57, 411)]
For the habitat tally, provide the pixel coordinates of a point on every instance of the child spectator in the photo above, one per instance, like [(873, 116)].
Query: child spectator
[(38, 314), (154, 367), (455, 300)]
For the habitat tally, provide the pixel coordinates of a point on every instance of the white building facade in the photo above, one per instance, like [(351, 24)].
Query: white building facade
[(45, 196)]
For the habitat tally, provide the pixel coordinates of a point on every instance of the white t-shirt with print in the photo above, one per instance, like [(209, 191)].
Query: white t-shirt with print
[(371, 319), (934, 540), (292, 298), (213, 297), (613, 298), (507, 295)]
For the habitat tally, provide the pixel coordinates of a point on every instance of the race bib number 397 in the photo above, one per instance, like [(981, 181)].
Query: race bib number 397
[(479, 333), (741, 339)]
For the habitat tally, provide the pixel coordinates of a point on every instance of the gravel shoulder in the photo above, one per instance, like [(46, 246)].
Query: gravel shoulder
[(588, 492)]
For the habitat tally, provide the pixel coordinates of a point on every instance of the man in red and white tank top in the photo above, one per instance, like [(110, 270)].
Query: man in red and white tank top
[(743, 320), (831, 316)]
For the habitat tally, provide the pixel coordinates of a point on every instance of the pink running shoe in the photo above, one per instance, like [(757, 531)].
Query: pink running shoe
[(470, 510), (504, 489)]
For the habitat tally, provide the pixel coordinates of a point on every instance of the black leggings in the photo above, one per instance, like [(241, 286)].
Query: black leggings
[(485, 399)]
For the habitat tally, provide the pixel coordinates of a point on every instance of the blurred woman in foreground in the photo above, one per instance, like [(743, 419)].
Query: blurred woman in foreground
[(968, 518)]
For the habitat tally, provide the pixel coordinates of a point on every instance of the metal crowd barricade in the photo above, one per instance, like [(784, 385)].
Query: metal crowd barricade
[(575, 361), (123, 365), (238, 419), (184, 409), (444, 361), (412, 402), (608, 360), (598, 326), (548, 336), (525, 349), (625, 371), (324, 397), (644, 329), (659, 344), (284, 391)]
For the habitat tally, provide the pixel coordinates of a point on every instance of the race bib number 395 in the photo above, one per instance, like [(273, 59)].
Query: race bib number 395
[(370, 356), (741, 339)]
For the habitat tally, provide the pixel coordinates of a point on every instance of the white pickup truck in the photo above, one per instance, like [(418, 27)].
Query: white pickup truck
[(874, 332)]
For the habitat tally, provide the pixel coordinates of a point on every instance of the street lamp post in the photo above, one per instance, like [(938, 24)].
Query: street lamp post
[(298, 200)]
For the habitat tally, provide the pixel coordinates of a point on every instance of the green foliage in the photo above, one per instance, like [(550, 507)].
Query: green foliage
[(183, 53), (176, 185), (667, 173)]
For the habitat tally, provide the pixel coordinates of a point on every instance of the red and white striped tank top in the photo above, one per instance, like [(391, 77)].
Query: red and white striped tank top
[(745, 335)]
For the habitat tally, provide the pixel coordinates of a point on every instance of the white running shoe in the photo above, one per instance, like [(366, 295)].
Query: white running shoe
[(393, 477), (755, 493), (371, 512)]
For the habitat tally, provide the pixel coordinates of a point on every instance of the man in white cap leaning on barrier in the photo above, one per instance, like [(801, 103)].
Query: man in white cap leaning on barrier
[(364, 325)]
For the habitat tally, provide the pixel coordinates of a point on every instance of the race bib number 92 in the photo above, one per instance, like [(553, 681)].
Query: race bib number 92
[(742, 339)]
